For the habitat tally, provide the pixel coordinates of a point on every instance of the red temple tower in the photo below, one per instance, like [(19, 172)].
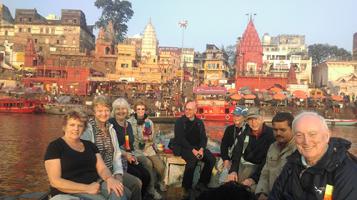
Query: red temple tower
[(31, 58), (249, 57)]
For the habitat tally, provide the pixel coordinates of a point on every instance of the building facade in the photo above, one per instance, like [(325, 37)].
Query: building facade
[(215, 66), (282, 52), (330, 73)]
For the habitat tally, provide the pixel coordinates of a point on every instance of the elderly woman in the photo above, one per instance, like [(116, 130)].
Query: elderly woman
[(102, 133), (143, 129), (75, 167), (124, 133)]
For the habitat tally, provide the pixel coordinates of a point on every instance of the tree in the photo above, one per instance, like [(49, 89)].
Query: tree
[(119, 12), (323, 52)]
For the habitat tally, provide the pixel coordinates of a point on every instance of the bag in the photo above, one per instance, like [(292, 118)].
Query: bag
[(176, 148)]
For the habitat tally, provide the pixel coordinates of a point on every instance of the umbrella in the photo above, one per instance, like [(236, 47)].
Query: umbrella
[(276, 90), (337, 98), (249, 96), (236, 97), (279, 96), (300, 94)]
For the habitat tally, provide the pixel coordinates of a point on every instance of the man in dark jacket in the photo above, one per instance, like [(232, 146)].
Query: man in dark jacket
[(321, 168), (190, 135), (250, 153)]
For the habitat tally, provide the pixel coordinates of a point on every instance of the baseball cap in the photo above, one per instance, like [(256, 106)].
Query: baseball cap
[(240, 111), (253, 112)]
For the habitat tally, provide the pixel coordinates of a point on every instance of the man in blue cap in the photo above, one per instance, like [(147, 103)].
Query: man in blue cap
[(230, 139), (248, 156)]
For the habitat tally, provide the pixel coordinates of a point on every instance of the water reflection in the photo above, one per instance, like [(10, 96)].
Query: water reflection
[(24, 138)]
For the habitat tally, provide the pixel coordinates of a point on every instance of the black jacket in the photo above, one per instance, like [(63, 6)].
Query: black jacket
[(255, 152), (228, 139), (181, 130), (337, 168)]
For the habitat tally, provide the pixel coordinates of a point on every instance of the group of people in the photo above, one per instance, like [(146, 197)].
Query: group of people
[(108, 156), (294, 159), (111, 156)]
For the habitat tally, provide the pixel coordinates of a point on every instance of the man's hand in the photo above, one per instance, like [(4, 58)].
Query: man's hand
[(262, 196), (115, 185), (93, 188), (227, 164), (201, 152), (195, 152), (131, 158), (248, 182), (233, 176)]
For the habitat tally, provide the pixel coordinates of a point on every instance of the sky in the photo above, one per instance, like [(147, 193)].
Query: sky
[(222, 22)]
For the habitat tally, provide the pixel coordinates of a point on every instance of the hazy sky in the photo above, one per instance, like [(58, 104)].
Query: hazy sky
[(221, 22)]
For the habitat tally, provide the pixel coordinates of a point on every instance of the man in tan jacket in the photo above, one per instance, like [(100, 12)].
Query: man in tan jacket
[(277, 153)]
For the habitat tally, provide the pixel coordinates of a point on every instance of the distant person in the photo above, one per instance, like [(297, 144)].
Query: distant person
[(230, 139), (102, 134), (283, 147), (248, 158), (75, 167), (144, 134), (190, 136), (321, 168)]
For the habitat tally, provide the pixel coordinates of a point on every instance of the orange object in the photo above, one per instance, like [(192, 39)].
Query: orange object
[(127, 145), (328, 192)]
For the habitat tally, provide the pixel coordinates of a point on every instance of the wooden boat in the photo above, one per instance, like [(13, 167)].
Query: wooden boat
[(61, 109), (14, 105), (341, 122)]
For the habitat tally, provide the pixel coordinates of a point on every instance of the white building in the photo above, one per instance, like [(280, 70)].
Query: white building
[(285, 51)]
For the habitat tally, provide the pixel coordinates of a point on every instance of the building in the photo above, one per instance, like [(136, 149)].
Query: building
[(215, 66), (249, 63), (282, 52), (7, 26), (169, 62), (149, 45), (331, 74), (354, 50), (249, 52)]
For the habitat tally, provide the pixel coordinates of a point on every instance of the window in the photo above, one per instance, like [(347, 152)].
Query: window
[(41, 30), (6, 33), (40, 48), (20, 19), (35, 41), (124, 65), (30, 19), (29, 30), (47, 30), (58, 41), (74, 21), (52, 30), (20, 30)]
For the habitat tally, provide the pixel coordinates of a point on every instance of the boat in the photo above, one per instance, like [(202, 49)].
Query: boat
[(61, 109), (341, 122), (20, 105)]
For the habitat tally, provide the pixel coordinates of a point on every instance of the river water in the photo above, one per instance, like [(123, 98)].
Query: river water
[(24, 138)]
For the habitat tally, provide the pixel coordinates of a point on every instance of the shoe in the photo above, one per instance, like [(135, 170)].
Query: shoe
[(156, 195), (201, 187), (162, 187)]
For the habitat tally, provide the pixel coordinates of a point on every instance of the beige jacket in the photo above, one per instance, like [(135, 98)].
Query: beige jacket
[(274, 164)]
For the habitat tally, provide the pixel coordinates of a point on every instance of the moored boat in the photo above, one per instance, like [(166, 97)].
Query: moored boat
[(341, 122), (21, 105)]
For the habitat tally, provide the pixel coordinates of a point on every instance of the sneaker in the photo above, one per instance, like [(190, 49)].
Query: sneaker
[(201, 187), (162, 187), (156, 195)]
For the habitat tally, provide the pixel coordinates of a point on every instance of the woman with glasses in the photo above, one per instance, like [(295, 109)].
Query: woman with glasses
[(124, 134), (75, 167), (143, 130)]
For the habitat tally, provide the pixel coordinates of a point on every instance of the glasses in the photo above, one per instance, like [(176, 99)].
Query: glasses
[(140, 109)]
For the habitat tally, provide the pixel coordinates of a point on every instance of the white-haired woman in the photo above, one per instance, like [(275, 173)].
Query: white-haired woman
[(75, 167), (124, 133), (103, 135)]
